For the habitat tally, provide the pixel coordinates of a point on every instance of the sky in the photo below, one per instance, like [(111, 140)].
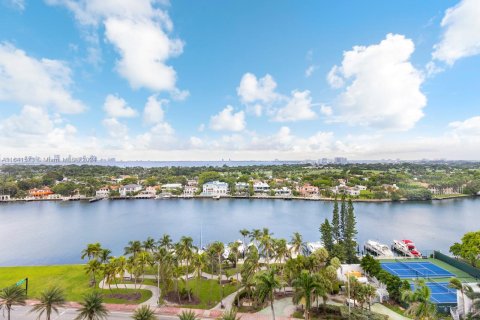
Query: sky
[(245, 80)]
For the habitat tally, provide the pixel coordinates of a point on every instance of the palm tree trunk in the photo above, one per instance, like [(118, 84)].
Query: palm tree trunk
[(273, 310), (8, 312), (238, 283), (158, 278), (186, 284)]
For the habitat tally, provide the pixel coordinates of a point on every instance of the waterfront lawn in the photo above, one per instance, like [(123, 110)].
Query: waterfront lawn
[(71, 278), (126, 296)]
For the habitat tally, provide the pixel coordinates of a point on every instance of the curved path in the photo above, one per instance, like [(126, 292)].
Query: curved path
[(153, 301)]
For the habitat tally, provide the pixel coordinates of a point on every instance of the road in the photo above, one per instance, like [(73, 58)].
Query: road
[(23, 313)]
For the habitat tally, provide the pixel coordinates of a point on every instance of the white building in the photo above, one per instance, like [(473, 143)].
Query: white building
[(241, 186), (261, 187), (215, 188), (103, 192), (128, 189), (360, 187), (190, 190), (169, 187), (283, 191), (152, 190), (4, 197)]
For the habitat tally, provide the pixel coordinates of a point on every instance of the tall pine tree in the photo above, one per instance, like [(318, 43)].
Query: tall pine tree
[(327, 237), (336, 223), (349, 234), (343, 217)]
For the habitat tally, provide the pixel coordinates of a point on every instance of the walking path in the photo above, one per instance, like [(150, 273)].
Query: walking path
[(283, 308), (380, 308)]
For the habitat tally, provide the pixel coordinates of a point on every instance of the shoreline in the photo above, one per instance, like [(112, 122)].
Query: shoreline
[(292, 198)]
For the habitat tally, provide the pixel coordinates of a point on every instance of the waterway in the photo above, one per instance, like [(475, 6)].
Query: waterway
[(38, 233)]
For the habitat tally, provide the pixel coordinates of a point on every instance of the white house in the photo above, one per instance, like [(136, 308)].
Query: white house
[(190, 190), (241, 186), (360, 187), (103, 192), (355, 192), (169, 187), (129, 188), (261, 187), (283, 191), (152, 190), (215, 188), (4, 197)]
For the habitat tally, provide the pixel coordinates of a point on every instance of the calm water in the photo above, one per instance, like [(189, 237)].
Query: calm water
[(55, 233)]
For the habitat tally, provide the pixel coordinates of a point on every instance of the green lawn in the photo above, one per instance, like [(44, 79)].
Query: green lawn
[(208, 291), (71, 278)]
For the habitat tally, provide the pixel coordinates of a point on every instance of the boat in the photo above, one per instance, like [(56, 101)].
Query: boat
[(216, 197), (95, 199), (406, 248), (378, 249), (163, 196)]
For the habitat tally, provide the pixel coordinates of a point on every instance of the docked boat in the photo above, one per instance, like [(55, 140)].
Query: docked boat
[(406, 248), (163, 196), (378, 249), (216, 197)]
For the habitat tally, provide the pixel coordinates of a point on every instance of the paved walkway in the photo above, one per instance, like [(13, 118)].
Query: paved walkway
[(283, 308)]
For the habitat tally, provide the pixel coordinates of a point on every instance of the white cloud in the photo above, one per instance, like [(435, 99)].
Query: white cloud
[(310, 70), (252, 89), (153, 112), (24, 129), (334, 79), (227, 120), (116, 107), (144, 48), (42, 82), (140, 32), (326, 110), (461, 36), (196, 142), (468, 127), (299, 107), (115, 128), (384, 89)]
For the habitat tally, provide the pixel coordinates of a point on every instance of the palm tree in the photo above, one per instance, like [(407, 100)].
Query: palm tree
[(104, 255), (188, 315), (91, 251), (266, 284), (133, 248), (143, 260), (475, 297), (217, 249), (144, 313), (92, 307), (298, 246), (281, 250), (266, 244), (306, 285), (185, 251), (165, 242), (91, 268), (420, 305), (198, 262), (457, 284), (121, 267), (10, 296), (255, 236), (149, 244), (244, 233), (50, 300), (109, 273)]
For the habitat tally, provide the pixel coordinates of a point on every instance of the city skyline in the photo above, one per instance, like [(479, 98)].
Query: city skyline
[(159, 80)]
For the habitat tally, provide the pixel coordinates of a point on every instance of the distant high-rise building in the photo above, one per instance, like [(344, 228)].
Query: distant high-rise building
[(340, 160)]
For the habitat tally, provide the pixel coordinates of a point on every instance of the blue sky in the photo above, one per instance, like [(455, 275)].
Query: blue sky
[(204, 80)]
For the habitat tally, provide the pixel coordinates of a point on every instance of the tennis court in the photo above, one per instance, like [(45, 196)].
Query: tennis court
[(409, 269), (441, 293)]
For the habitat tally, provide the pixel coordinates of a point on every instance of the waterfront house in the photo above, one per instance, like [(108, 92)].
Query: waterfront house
[(241, 187), (190, 190), (40, 193), (103, 192), (307, 190), (129, 189), (261, 187), (171, 187), (4, 197), (215, 188), (283, 191), (152, 190)]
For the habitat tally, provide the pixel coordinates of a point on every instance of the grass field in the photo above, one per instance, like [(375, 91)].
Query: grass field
[(461, 275), (71, 278), (208, 291)]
